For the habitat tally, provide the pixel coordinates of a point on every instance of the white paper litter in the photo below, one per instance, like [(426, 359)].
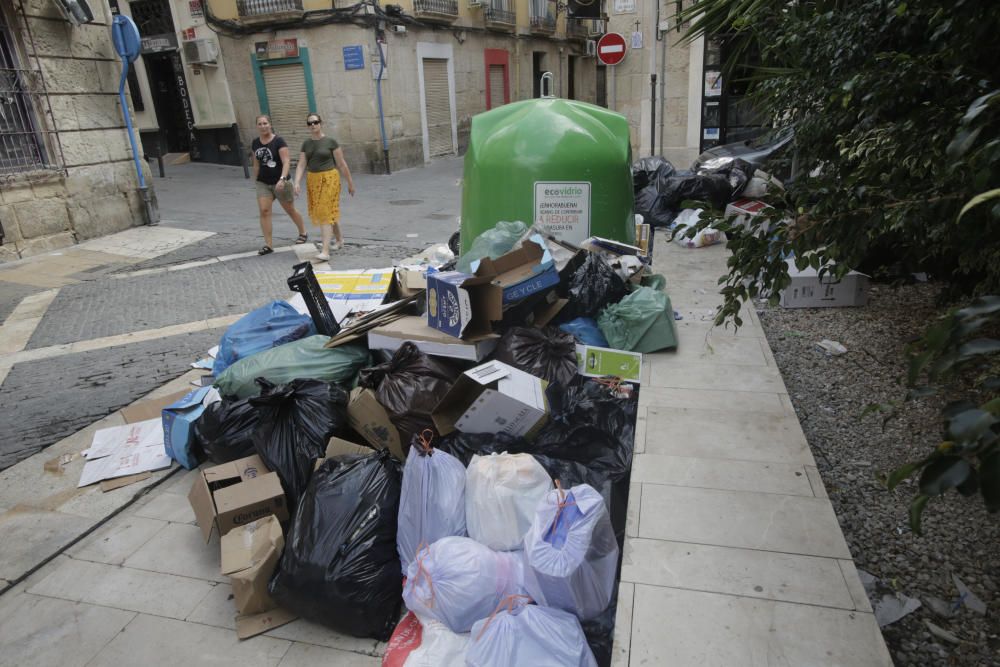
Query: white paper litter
[(119, 439), (125, 450), (128, 463)]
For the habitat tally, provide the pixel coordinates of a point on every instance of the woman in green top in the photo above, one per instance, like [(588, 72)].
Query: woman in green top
[(326, 165)]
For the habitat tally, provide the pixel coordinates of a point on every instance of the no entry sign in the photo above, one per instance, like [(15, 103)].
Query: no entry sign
[(611, 48)]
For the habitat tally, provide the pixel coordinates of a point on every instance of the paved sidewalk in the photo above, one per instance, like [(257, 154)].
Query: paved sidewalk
[(733, 554)]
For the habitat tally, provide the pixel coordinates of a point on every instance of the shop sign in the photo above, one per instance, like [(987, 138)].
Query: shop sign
[(277, 48), (158, 43)]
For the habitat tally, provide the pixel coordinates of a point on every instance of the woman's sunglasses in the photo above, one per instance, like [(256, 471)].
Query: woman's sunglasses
[(313, 122)]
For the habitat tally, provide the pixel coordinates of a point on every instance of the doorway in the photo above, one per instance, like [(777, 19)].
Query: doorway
[(167, 103), (602, 86), (537, 69), (571, 78)]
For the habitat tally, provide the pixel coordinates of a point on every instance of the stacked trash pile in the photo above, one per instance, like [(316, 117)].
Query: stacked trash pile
[(458, 442), (726, 183)]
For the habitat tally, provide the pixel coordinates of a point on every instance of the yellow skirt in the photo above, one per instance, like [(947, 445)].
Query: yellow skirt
[(323, 191)]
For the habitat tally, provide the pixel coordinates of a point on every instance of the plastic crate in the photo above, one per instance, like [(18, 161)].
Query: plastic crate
[(303, 281)]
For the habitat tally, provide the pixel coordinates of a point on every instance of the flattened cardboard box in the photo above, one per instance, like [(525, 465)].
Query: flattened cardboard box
[(429, 340), (151, 408), (236, 493), (493, 398), (521, 273), (367, 416)]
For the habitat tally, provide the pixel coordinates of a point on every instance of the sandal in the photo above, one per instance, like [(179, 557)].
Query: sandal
[(265, 250), (302, 238)]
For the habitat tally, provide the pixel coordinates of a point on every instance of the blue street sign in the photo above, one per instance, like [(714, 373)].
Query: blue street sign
[(354, 57)]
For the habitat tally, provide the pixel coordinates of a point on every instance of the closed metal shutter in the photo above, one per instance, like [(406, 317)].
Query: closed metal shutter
[(496, 86), (289, 104), (438, 107)]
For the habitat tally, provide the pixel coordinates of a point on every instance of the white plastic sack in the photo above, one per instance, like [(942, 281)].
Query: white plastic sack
[(690, 217), (458, 581), (432, 501), (501, 494), (439, 646), (571, 554), (529, 635)]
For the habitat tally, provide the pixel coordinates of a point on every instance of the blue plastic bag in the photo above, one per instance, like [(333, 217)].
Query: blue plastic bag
[(585, 330), (269, 326)]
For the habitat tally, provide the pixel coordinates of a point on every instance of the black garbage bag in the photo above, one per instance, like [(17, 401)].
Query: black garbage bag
[(650, 171), (737, 171), (652, 206), (685, 186), (463, 446), (592, 287), (340, 566), (296, 422), (409, 387), (591, 423), (225, 430), (548, 353), (600, 630)]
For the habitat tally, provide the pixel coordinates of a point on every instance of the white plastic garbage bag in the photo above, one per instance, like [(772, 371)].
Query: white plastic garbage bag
[(501, 494), (432, 501), (458, 581), (571, 553), (425, 643), (689, 218), (526, 634)]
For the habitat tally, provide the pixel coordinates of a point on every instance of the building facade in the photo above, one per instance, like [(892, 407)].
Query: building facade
[(66, 167)]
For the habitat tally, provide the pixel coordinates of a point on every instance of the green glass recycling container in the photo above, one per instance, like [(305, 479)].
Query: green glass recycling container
[(562, 165)]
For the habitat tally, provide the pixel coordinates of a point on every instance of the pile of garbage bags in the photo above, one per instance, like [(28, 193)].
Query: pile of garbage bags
[(481, 481)]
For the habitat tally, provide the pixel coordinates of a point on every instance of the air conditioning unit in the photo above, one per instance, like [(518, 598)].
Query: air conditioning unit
[(76, 12), (203, 51), (590, 48)]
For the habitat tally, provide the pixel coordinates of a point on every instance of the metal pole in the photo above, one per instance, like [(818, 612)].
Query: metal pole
[(612, 105), (652, 116), (663, 81)]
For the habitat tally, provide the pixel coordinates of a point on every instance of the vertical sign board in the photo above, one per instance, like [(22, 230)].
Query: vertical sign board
[(182, 91), (562, 208), (354, 57)]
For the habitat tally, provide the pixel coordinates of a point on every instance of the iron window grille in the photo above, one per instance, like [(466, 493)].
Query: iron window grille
[(446, 7), (542, 16), (27, 142), (501, 11), (267, 7)]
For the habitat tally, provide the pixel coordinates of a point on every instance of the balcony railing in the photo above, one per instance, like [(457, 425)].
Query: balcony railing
[(268, 10), (543, 19), (500, 14), (576, 29), (445, 11)]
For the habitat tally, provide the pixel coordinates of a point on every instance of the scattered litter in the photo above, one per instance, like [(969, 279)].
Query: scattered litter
[(57, 464), (967, 597), (941, 633), (940, 607), (678, 316), (119, 482), (204, 364), (831, 347), (213, 351), (890, 605), (412, 236)]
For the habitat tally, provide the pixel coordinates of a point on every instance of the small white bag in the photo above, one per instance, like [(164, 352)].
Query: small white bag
[(458, 581), (432, 500), (526, 634), (571, 554), (501, 494)]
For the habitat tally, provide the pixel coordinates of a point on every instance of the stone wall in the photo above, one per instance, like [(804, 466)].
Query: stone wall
[(347, 99), (97, 192)]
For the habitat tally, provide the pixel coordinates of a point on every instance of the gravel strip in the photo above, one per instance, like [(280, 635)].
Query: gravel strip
[(854, 454)]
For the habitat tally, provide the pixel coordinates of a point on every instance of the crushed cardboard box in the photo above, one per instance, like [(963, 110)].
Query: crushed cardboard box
[(250, 554), (235, 493), (340, 447), (178, 424), (367, 416), (520, 273), (493, 398), (125, 450)]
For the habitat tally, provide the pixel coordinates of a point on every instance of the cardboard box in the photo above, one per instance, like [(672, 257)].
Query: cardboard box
[(249, 626), (808, 291), (430, 341), (367, 416), (178, 426), (461, 305), (522, 272), (236, 493), (249, 555), (493, 398), (408, 281), (602, 361), (340, 447), (643, 238), (151, 408)]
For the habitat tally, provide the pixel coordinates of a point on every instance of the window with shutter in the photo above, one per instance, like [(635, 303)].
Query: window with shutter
[(438, 106), (288, 102)]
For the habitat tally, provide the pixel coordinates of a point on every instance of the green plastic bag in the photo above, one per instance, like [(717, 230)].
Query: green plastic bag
[(654, 280), (492, 243), (304, 358), (641, 322)]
